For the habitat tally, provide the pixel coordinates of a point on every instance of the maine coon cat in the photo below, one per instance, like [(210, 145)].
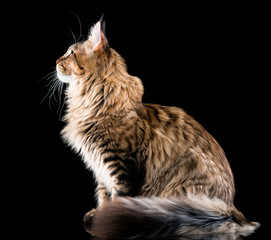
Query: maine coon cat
[(158, 171)]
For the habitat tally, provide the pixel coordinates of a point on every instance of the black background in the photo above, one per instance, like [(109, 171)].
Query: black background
[(210, 60)]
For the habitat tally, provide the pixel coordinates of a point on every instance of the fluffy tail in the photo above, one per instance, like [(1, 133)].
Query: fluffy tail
[(157, 217)]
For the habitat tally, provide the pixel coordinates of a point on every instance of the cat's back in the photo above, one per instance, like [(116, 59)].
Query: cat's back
[(184, 157), (173, 123), (175, 126)]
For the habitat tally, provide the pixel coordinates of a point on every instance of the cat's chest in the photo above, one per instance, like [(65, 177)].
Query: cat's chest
[(86, 143)]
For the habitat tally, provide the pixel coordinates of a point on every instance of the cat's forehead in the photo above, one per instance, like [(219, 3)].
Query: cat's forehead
[(81, 45)]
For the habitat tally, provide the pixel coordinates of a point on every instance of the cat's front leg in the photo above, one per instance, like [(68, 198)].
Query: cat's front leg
[(101, 194), (102, 197)]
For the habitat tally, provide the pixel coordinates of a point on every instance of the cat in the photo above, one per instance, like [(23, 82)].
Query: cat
[(158, 171)]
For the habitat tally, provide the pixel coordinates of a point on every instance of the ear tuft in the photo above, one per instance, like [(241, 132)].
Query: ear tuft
[(95, 35)]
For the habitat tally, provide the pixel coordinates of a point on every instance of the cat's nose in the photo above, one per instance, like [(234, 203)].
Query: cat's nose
[(59, 60)]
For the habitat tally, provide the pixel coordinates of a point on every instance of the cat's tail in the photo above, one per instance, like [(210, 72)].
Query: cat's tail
[(158, 217)]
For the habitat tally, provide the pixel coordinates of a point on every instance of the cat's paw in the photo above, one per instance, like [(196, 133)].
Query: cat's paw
[(87, 221)]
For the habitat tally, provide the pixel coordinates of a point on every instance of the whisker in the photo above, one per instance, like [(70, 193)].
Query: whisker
[(61, 103), (47, 76), (67, 44), (60, 85), (55, 90), (80, 26), (61, 109), (75, 40), (49, 91)]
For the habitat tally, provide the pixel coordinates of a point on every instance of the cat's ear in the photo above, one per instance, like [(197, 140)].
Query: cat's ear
[(97, 36)]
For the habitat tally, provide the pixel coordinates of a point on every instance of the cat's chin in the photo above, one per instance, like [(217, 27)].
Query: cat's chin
[(64, 78)]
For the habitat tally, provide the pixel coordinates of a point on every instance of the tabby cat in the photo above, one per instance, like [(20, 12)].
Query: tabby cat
[(158, 172)]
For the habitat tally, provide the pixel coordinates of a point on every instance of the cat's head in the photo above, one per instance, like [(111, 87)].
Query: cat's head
[(82, 58), (97, 74)]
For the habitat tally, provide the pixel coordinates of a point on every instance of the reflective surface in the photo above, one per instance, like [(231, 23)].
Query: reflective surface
[(194, 237)]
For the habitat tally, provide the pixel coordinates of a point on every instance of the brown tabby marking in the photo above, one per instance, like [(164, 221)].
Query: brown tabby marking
[(136, 149)]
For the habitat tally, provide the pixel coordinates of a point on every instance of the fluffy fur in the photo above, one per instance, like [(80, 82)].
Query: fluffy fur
[(152, 217), (158, 171)]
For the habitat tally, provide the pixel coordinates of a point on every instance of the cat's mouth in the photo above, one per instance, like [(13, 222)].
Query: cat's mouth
[(66, 78)]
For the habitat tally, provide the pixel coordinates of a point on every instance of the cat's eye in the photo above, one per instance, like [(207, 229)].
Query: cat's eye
[(69, 52)]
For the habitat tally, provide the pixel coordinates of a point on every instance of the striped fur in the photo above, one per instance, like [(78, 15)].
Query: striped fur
[(157, 154)]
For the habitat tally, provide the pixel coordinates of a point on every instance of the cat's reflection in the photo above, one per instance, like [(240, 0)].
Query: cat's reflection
[(194, 237)]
